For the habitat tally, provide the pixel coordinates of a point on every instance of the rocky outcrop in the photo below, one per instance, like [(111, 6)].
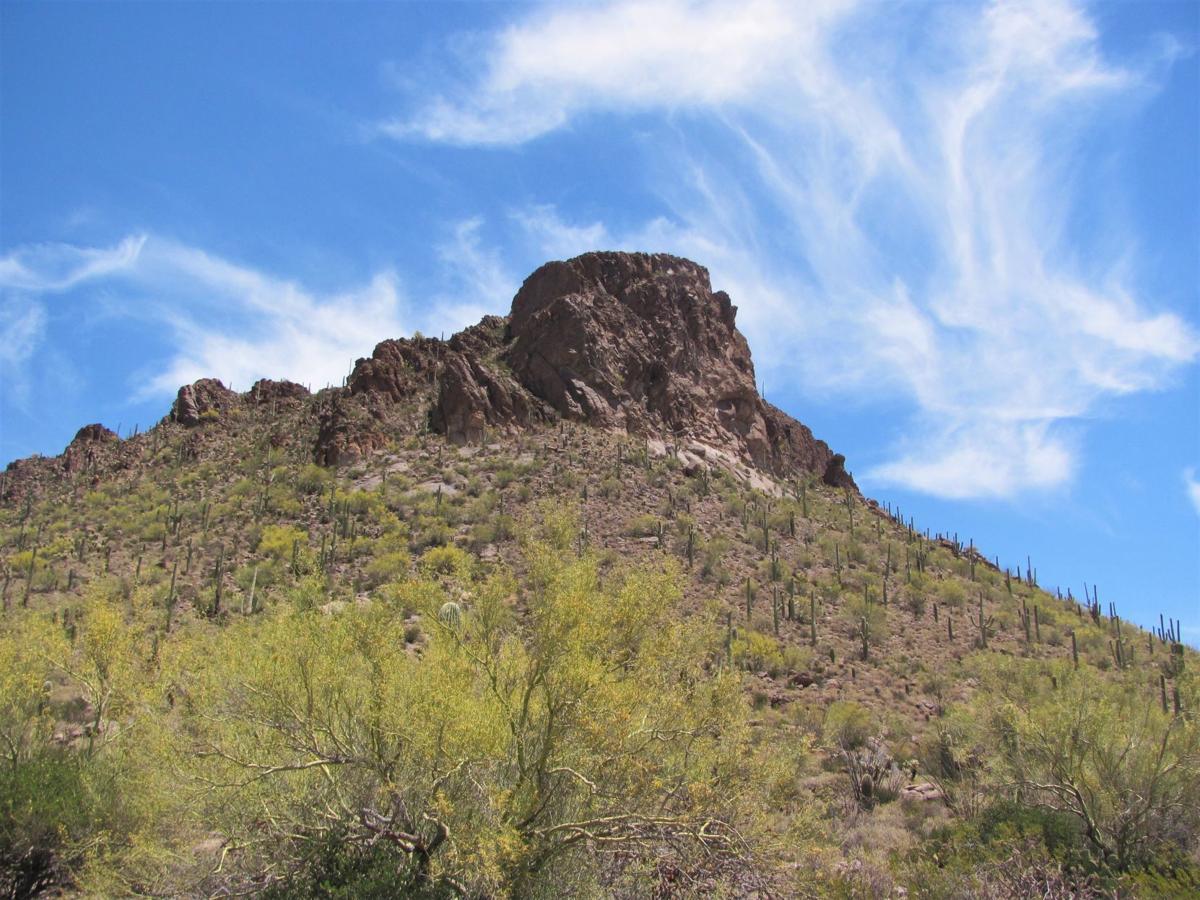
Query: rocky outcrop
[(81, 453), (92, 434), (629, 341), (633, 342), (476, 393), (641, 342), (201, 400), (266, 392)]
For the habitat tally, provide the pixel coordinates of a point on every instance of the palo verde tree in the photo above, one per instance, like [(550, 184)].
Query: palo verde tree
[(1102, 750), (519, 742)]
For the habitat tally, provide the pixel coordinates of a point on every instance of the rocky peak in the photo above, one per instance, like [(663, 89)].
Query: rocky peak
[(92, 434), (266, 391), (208, 395), (81, 452), (639, 342), (628, 341)]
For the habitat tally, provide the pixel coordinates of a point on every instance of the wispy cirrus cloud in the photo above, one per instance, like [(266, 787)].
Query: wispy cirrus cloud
[(620, 57), (225, 320), (1191, 485), (57, 267), (22, 327), (890, 202)]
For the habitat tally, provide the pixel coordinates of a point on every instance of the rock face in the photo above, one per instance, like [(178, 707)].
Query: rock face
[(642, 343), (195, 400), (628, 341), (265, 392), (475, 393), (81, 452)]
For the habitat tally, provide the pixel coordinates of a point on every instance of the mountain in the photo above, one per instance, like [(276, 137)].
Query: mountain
[(398, 635)]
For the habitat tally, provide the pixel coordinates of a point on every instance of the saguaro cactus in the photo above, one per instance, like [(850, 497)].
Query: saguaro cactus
[(985, 624)]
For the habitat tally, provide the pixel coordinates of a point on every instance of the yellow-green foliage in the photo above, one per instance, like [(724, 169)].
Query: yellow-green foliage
[(644, 525), (389, 566), (501, 731), (755, 651), (875, 614), (592, 719), (277, 541), (1097, 748), (952, 593), (313, 479), (27, 647), (847, 725), (452, 561)]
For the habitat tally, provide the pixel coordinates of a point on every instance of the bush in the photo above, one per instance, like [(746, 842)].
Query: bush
[(42, 803), (313, 479), (493, 531), (756, 652), (1101, 750), (334, 868), (386, 567), (502, 733), (712, 552), (276, 542), (857, 611), (451, 561), (847, 725), (610, 487), (953, 594), (429, 532), (644, 525)]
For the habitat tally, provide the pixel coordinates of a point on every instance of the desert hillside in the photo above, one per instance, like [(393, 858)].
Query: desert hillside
[(559, 606)]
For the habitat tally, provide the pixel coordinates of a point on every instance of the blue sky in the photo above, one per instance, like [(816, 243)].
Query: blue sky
[(964, 238)]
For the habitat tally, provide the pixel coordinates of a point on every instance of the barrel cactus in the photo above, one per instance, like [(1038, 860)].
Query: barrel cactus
[(451, 615)]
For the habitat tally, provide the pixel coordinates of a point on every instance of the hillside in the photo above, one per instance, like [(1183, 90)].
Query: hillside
[(201, 621)]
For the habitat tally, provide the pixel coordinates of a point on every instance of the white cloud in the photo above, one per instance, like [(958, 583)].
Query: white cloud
[(555, 239), (22, 325), (225, 320), (981, 459), (53, 268), (894, 218), (622, 56), (482, 283), (21, 330), (1192, 484)]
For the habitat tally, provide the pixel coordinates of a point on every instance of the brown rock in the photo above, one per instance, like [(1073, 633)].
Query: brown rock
[(195, 400), (926, 792), (266, 392), (629, 341), (82, 451), (835, 473), (641, 342), (802, 679)]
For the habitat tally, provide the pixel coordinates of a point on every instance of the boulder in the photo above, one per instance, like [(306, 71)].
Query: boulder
[(200, 400)]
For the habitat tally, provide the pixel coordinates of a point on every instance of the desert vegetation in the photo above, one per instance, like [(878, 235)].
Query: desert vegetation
[(560, 663)]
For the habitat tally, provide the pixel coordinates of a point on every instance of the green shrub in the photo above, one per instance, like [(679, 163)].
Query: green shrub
[(448, 560), (952, 593), (386, 567), (757, 652), (277, 541), (313, 479), (644, 525), (847, 725)]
